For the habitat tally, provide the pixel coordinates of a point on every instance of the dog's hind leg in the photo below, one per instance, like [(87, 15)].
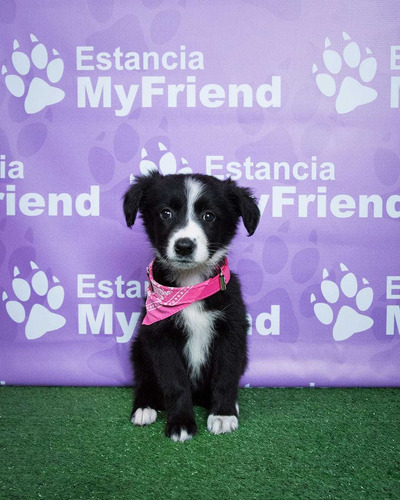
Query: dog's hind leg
[(148, 399), (162, 383), (147, 396), (144, 416)]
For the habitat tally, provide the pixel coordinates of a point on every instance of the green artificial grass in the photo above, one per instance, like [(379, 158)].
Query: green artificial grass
[(78, 443)]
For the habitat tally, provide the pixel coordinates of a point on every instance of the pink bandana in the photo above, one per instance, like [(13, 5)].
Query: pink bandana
[(164, 301)]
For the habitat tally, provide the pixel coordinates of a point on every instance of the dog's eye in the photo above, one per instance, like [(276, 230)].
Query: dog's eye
[(208, 216), (165, 214)]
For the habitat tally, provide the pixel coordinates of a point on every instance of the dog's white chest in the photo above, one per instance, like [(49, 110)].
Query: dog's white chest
[(199, 328)]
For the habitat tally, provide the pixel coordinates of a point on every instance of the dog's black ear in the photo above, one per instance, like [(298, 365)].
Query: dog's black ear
[(246, 205), (131, 203), (135, 196)]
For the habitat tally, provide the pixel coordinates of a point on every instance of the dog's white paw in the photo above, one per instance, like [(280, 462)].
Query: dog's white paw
[(222, 424), (144, 416), (181, 437)]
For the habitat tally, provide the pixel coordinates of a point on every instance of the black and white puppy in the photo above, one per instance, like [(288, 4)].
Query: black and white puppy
[(196, 356)]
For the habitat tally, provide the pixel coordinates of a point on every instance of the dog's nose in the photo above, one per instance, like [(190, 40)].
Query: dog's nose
[(184, 246)]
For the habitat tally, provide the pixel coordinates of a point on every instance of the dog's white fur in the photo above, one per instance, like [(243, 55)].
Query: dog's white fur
[(144, 416), (192, 230), (199, 328)]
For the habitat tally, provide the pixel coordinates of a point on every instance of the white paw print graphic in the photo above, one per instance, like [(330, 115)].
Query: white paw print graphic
[(351, 93), (167, 163), (40, 319), (348, 320), (37, 92)]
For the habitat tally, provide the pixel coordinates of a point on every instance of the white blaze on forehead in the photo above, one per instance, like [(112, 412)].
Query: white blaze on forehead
[(192, 229), (194, 189)]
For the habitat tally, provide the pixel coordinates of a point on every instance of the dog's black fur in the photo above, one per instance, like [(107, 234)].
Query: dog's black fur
[(162, 372)]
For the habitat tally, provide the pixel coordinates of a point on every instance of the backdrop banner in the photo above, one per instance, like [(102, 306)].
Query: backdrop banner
[(298, 101)]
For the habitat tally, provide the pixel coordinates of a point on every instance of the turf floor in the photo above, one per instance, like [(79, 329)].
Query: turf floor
[(78, 443)]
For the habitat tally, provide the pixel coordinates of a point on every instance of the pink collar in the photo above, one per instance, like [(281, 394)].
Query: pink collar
[(164, 301)]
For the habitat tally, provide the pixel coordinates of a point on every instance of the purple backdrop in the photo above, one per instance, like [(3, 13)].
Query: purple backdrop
[(297, 100)]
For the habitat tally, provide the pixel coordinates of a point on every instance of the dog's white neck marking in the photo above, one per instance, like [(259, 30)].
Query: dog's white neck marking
[(199, 327), (190, 277)]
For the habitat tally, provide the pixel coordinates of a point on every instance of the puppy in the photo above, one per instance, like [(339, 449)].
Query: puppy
[(191, 348)]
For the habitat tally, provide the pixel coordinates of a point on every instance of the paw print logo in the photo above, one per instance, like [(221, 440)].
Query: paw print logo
[(165, 164), (36, 92), (348, 320), (352, 92), (27, 308)]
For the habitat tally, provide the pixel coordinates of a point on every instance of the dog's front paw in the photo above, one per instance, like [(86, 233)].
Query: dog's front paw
[(222, 424), (180, 432)]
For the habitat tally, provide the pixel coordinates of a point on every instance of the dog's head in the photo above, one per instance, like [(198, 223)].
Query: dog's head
[(190, 219)]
